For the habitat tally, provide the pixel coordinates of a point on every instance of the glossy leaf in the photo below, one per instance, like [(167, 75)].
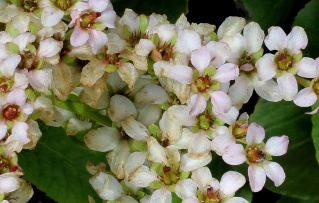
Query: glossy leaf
[(57, 166), (300, 165), (173, 9), (315, 131), (286, 199)]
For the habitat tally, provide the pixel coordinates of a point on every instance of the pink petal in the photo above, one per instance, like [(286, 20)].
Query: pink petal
[(266, 67), (277, 146), (9, 182), (221, 101), (182, 74), (234, 154), (40, 80), (257, 177), (200, 59), (305, 97), (230, 182), (276, 39), (198, 104), (222, 141), (288, 86), (79, 37), (97, 40), (297, 39), (229, 117), (226, 72), (275, 172), (16, 96), (49, 47), (19, 132), (51, 16), (255, 134), (98, 5), (75, 14), (8, 65), (3, 129), (306, 68), (108, 18)]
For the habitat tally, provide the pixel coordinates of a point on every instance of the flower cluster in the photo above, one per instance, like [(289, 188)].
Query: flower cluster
[(163, 98)]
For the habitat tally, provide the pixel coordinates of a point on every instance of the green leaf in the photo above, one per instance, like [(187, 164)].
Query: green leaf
[(308, 18), (173, 9), (57, 167), (315, 131), (299, 164), (268, 13), (285, 199)]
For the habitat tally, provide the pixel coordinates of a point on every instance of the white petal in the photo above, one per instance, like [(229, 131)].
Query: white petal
[(117, 158), (19, 132), (162, 195), (144, 47), (20, 81), (152, 94), (198, 104), (180, 114), (131, 19), (231, 26), (134, 161), (200, 59), (142, 177), (277, 146), (108, 18), (186, 188), (222, 141), (182, 74), (106, 186), (157, 152), (120, 108), (254, 37), (189, 164), (203, 177), (9, 182), (276, 39), (134, 129), (226, 72), (257, 177), (187, 41), (199, 145), (97, 5), (221, 101), (268, 90), (3, 129), (219, 52), (306, 68), (234, 154), (79, 37), (8, 65), (266, 67), (305, 97), (297, 39), (49, 47), (51, 16), (40, 80), (255, 134), (102, 139), (288, 86), (275, 172), (236, 200), (230, 182), (241, 91), (149, 114), (97, 39), (24, 39)]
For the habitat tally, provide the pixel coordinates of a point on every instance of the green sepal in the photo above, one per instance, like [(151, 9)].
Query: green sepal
[(111, 201), (195, 129), (137, 145), (164, 106), (173, 40), (40, 63), (204, 122), (32, 49), (239, 131), (218, 122), (155, 39), (38, 12), (12, 47), (215, 85), (18, 3), (297, 57), (1, 196), (258, 54), (125, 188), (140, 194), (158, 168), (213, 36), (12, 30), (206, 96), (293, 71), (210, 71), (110, 68), (154, 130), (68, 59), (100, 56), (2, 152), (278, 73), (184, 175), (209, 133), (9, 124), (268, 157), (98, 26), (171, 188), (30, 95), (195, 74), (127, 33), (20, 117), (156, 184), (14, 160), (33, 28), (143, 24)]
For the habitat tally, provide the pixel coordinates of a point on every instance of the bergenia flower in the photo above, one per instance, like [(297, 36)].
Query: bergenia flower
[(287, 62), (89, 19)]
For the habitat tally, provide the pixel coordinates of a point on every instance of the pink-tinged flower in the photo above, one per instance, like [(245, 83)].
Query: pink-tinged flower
[(210, 71), (287, 62), (258, 155), (211, 190), (14, 112), (89, 20)]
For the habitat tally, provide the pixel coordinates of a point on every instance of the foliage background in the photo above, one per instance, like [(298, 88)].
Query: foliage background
[(58, 170)]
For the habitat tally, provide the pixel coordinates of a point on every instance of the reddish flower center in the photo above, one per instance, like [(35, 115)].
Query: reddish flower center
[(256, 155), (11, 112), (211, 194)]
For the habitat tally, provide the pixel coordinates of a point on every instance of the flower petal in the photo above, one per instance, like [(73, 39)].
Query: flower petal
[(98, 5), (49, 47), (297, 39), (162, 195), (200, 59), (8, 65), (182, 74), (97, 40), (275, 172), (189, 164), (306, 68), (268, 90), (276, 39), (257, 177), (241, 91), (108, 18), (19, 132), (186, 188), (134, 129), (234, 154), (230, 182), (277, 146), (305, 97), (226, 72), (51, 16), (288, 86), (254, 37), (255, 134), (79, 37), (198, 104), (266, 67)]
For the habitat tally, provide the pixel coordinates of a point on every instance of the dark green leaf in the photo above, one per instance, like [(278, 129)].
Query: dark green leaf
[(173, 9), (308, 18), (315, 131), (286, 199), (300, 165), (57, 167)]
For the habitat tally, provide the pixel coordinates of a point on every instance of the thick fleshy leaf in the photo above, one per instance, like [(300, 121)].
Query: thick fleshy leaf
[(63, 159)]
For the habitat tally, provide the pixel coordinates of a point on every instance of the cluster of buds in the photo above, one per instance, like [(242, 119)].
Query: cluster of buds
[(159, 98)]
